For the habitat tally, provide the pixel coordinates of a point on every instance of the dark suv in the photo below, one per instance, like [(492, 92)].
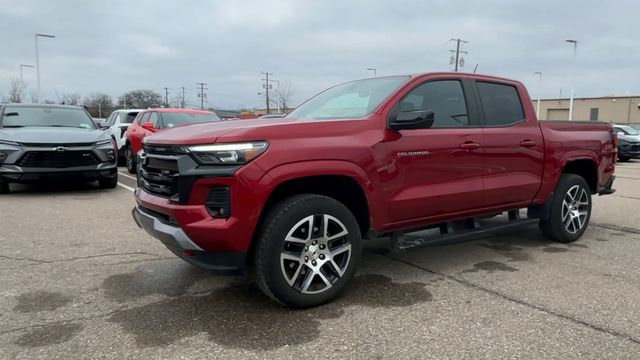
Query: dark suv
[(43, 142)]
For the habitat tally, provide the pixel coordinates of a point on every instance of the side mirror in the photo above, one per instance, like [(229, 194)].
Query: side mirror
[(148, 126), (416, 119)]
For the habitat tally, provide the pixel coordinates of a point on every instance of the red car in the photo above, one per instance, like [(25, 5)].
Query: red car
[(294, 198), (152, 120)]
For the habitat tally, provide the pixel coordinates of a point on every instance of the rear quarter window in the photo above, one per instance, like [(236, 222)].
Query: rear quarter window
[(500, 103)]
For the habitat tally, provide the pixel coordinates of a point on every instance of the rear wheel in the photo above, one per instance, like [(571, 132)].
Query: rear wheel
[(308, 250), (4, 187), (108, 183), (130, 160), (570, 210)]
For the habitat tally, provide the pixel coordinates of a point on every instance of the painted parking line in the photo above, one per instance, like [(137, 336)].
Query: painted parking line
[(126, 187), (127, 176)]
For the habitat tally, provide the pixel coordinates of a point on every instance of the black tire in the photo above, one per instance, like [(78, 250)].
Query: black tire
[(108, 183), (573, 225), (4, 187), (274, 273), (130, 160), (623, 158)]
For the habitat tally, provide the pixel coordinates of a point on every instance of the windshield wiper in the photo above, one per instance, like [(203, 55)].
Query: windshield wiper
[(11, 126), (69, 126)]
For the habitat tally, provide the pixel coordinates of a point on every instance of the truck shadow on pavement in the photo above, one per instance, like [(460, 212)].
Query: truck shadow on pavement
[(240, 315)]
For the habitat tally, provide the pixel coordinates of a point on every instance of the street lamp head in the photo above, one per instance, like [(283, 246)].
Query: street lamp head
[(28, 66), (45, 35), (572, 41)]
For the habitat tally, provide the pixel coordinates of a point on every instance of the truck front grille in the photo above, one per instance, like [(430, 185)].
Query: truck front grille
[(159, 174), (57, 159)]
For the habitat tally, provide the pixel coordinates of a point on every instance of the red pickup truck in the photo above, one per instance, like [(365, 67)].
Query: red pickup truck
[(293, 198)]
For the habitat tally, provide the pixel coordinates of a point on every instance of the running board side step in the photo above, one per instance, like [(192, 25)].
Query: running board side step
[(448, 235)]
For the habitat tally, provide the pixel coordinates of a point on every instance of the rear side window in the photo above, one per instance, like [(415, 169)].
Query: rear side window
[(129, 118), (500, 103), (444, 97)]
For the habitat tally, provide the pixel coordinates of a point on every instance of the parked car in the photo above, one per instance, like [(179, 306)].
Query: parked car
[(45, 142), (293, 198), (118, 122), (152, 120), (628, 142), (101, 122)]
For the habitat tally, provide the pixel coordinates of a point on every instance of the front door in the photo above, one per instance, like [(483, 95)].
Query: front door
[(438, 171)]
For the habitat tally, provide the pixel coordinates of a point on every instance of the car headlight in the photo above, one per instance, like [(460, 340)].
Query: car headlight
[(103, 142), (229, 153)]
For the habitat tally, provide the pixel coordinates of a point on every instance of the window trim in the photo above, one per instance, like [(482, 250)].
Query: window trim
[(470, 103), (483, 120)]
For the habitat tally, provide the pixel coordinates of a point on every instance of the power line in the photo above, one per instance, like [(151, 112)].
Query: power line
[(267, 86), (202, 95), (455, 54)]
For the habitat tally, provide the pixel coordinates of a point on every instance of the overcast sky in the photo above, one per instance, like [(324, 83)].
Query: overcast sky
[(117, 46)]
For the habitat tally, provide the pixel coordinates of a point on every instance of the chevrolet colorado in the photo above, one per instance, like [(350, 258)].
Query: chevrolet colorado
[(293, 198)]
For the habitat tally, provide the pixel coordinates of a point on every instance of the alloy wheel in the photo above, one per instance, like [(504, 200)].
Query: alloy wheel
[(575, 209), (315, 254)]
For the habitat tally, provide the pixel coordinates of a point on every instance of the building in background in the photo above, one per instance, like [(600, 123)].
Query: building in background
[(615, 109)]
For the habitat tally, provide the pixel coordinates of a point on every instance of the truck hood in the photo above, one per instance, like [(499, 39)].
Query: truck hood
[(249, 130), (629, 138), (52, 135)]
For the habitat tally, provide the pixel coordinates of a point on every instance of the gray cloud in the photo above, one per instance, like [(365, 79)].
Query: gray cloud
[(116, 46)]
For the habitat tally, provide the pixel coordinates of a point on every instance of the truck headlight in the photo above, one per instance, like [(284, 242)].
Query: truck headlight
[(229, 153), (103, 142)]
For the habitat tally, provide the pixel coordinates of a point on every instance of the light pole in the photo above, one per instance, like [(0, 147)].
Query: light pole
[(539, 73), (38, 60), (575, 51), (375, 72), (23, 66)]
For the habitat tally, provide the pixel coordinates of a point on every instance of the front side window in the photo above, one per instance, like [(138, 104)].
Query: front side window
[(181, 118), (352, 100), (153, 119), (144, 118), (444, 97), (14, 116), (500, 103)]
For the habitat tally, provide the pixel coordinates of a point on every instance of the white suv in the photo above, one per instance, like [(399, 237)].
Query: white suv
[(118, 122)]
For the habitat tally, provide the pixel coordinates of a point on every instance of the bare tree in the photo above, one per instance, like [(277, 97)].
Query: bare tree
[(71, 99), (15, 91), (98, 104), (140, 99), (282, 96)]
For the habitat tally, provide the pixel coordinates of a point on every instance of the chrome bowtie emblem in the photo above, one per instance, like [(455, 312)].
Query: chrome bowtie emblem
[(60, 149)]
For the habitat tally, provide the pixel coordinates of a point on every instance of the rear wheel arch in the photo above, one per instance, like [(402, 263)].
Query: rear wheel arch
[(585, 168)]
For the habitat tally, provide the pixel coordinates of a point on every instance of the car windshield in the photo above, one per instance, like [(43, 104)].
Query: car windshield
[(628, 130), (175, 119), (14, 116), (129, 118), (350, 100)]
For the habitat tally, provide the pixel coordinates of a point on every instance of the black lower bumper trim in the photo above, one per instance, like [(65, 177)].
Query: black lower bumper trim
[(37, 176)]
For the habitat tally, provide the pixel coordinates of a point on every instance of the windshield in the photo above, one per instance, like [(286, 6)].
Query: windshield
[(350, 100), (45, 116), (175, 119), (628, 130)]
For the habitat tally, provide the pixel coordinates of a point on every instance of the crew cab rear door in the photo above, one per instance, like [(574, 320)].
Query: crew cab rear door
[(438, 171), (513, 143)]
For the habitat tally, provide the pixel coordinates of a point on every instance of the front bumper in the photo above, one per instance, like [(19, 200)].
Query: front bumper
[(16, 174), (177, 241)]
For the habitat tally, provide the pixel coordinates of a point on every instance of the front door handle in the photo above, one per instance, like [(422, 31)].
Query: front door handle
[(527, 143), (469, 145)]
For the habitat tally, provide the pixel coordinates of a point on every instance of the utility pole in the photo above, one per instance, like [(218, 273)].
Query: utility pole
[(202, 95), (182, 102), (539, 73), (573, 71), (166, 97), (456, 60), (267, 86)]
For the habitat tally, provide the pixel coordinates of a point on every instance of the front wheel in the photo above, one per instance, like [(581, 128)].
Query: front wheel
[(570, 210), (108, 183), (130, 160), (308, 250)]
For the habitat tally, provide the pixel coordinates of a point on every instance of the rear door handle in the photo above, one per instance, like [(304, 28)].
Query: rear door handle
[(469, 146), (527, 143)]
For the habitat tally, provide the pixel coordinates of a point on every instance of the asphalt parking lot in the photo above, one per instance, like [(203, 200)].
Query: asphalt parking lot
[(80, 280)]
